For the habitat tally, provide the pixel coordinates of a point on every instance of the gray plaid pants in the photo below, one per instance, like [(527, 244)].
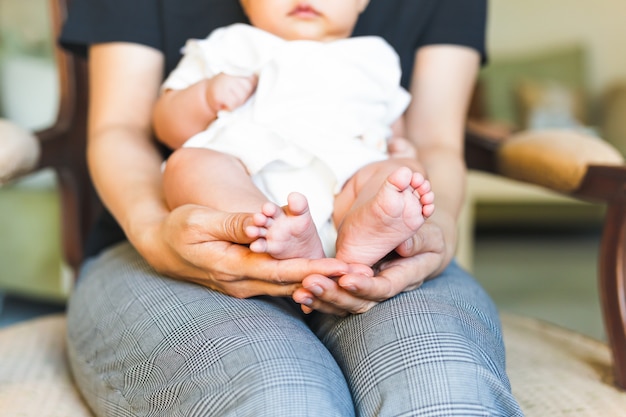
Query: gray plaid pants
[(143, 345)]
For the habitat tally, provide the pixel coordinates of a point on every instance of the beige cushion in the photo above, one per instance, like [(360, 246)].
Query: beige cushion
[(554, 372), (556, 159), (19, 151), (34, 374)]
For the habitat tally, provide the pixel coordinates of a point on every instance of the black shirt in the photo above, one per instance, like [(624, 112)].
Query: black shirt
[(167, 24)]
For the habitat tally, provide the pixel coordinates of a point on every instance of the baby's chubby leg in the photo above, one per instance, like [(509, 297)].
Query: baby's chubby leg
[(382, 218), (220, 181), (286, 232), (209, 178)]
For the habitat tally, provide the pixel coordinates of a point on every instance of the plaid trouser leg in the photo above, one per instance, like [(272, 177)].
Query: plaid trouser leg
[(435, 351), (144, 345)]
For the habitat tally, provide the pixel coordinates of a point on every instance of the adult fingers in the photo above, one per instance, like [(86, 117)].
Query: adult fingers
[(428, 238), (230, 227), (233, 263), (356, 293), (393, 277), (204, 237), (323, 294)]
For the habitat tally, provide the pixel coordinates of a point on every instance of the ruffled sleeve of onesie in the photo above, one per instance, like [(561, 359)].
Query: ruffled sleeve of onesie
[(238, 49)]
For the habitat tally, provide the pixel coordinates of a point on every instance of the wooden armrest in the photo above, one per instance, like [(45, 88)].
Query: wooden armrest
[(565, 161), (556, 159), (19, 151), (580, 166)]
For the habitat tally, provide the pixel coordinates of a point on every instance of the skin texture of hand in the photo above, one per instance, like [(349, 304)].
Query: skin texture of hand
[(358, 291), (200, 239), (194, 243), (227, 92)]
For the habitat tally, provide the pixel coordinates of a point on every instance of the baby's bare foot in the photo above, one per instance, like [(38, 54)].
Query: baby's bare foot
[(286, 232), (392, 216)]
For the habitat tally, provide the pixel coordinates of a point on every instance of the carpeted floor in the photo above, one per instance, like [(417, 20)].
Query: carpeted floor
[(550, 276)]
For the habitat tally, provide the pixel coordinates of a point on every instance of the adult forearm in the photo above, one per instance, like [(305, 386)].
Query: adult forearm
[(128, 182), (123, 160), (446, 171), (442, 84)]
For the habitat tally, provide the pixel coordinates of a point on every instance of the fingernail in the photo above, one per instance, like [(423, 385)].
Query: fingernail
[(307, 301), (315, 289), (349, 287)]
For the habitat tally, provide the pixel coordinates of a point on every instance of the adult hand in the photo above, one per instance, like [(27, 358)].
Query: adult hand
[(194, 243), (416, 260)]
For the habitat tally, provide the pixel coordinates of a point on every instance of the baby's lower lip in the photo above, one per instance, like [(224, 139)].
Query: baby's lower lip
[(304, 13)]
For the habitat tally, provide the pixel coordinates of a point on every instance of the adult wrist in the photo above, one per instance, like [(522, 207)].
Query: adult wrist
[(447, 223), (143, 232)]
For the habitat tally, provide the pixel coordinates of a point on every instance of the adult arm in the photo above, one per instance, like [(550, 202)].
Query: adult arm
[(441, 85), (190, 243), (443, 82)]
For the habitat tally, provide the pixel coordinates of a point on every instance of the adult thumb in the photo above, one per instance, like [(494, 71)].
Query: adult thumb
[(232, 227)]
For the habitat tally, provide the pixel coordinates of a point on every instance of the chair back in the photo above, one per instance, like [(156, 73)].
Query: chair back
[(63, 145)]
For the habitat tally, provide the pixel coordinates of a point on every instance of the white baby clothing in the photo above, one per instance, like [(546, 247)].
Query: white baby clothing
[(320, 111)]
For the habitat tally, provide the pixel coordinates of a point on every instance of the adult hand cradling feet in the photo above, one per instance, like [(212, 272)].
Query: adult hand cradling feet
[(422, 258), (195, 243)]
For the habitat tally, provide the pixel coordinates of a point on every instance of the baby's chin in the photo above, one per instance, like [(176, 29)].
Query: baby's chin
[(307, 31)]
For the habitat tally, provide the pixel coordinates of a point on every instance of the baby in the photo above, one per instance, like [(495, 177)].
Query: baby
[(289, 119)]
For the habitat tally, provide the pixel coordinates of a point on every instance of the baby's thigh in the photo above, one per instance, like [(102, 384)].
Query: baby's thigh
[(201, 162), (142, 344)]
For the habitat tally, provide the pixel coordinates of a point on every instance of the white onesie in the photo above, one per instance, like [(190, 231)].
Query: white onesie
[(320, 111)]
